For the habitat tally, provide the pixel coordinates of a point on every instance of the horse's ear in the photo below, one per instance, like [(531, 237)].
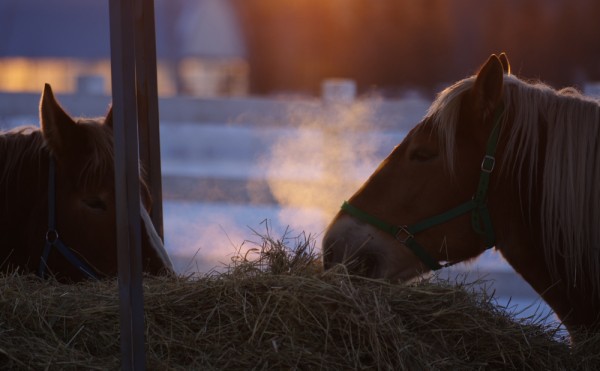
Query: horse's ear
[(108, 121), (58, 128), (487, 90), (505, 64)]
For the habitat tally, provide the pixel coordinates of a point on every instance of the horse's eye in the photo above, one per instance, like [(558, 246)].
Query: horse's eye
[(422, 155), (95, 203)]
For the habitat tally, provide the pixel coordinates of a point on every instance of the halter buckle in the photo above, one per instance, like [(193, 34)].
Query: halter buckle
[(403, 234), (488, 163)]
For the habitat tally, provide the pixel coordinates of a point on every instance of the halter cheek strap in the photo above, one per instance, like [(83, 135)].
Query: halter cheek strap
[(53, 238), (481, 222)]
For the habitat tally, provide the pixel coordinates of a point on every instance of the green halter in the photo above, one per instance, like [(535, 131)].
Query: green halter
[(480, 216)]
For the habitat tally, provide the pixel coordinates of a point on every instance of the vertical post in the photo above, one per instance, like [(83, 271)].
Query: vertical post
[(127, 190), (147, 100)]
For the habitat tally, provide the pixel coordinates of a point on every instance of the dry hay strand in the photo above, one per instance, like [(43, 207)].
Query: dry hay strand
[(277, 311)]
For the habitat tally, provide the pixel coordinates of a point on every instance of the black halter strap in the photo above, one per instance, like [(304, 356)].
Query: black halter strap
[(53, 238)]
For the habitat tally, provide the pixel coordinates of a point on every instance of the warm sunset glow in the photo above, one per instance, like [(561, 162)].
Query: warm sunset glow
[(394, 46), (200, 77), (214, 77), (29, 75)]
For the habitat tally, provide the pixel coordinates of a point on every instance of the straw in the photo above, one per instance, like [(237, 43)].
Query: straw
[(274, 308)]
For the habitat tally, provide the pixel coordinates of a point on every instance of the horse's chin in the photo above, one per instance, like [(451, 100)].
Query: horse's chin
[(407, 274)]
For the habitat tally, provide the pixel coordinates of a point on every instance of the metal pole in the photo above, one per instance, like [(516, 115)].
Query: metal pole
[(127, 187), (147, 100)]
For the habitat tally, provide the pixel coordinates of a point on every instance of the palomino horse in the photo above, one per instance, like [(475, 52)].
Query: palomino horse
[(57, 213), (496, 162)]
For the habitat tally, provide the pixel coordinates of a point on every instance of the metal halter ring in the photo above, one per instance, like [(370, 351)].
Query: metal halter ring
[(51, 236)]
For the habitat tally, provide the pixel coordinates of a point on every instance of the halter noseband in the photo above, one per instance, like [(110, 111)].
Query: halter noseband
[(53, 238), (481, 221)]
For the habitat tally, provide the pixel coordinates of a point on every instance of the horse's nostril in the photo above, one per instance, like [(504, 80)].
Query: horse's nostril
[(357, 259), (364, 264)]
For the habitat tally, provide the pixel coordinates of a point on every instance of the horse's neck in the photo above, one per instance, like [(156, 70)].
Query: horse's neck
[(520, 242), (576, 307)]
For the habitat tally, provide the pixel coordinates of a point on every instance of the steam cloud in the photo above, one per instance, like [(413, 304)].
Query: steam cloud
[(324, 160), (310, 168)]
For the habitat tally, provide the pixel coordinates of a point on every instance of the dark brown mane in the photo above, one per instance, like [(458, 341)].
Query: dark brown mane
[(28, 143), (18, 145), (100, 156)]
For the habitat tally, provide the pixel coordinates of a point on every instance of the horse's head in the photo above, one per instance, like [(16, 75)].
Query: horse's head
[(84, 193), (427, 184)]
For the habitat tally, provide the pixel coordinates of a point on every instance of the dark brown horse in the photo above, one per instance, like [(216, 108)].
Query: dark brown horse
[(496, 162), (57, 199)]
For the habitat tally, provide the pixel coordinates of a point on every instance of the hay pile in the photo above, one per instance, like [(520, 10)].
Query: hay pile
[(276, 312)]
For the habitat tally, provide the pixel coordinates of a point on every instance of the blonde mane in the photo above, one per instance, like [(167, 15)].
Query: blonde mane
[(563, 128)]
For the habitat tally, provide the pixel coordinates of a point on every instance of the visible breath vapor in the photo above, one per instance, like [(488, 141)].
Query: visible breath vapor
[(310, 166), (325, 159)]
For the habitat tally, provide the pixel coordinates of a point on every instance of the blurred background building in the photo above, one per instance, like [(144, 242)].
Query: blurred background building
[(394, 45), (237, 47), (199, 46)]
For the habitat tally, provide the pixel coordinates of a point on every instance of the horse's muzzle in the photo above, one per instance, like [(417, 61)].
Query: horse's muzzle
[(350, 244), (366, 251)]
